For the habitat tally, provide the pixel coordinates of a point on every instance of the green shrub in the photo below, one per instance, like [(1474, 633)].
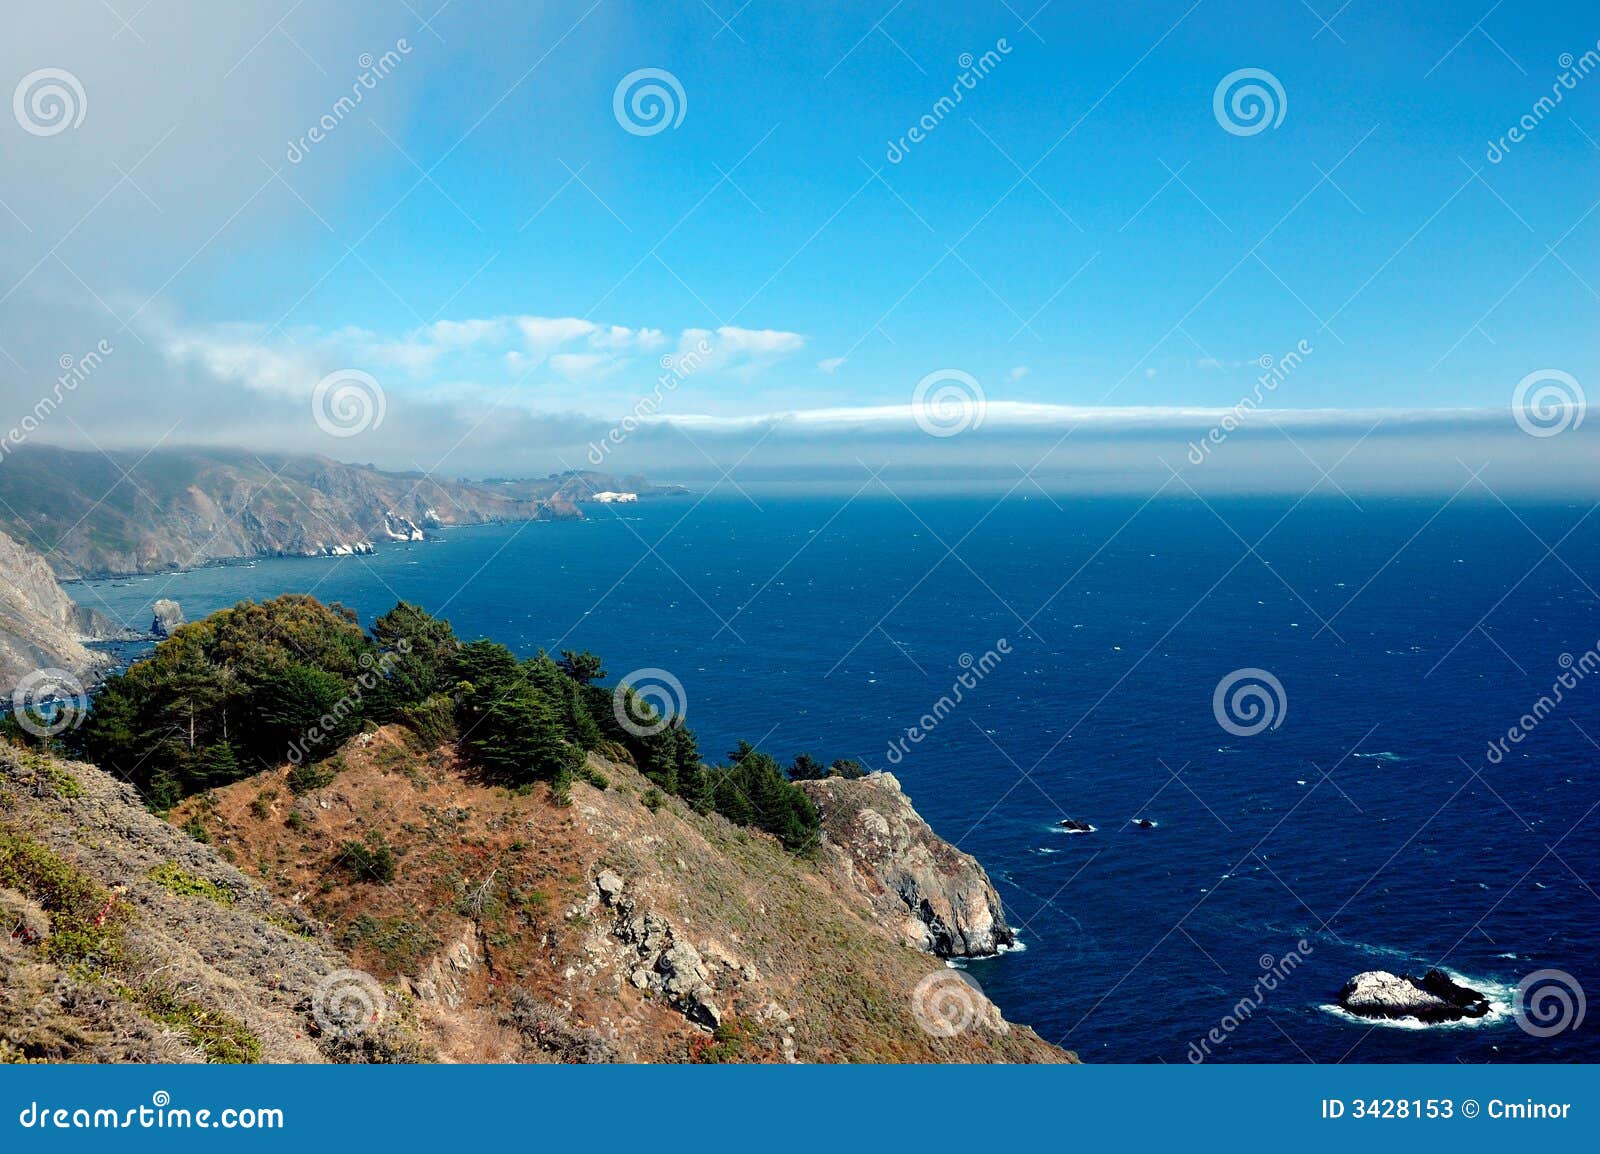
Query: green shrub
[(374, 863), (313, 775), (170, 875)]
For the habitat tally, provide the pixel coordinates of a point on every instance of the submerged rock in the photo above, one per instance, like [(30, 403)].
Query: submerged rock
[(884, 850), (1434, 997)]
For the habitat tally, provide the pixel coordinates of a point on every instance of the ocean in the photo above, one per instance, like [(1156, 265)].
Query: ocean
[(1365, 824)]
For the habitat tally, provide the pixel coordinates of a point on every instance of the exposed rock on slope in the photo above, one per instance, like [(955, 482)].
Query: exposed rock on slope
[(607, 930), (125, 940), (881, 850), (40, 627)]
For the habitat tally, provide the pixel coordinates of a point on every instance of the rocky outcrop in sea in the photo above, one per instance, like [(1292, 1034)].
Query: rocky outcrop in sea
[(1435, 997)]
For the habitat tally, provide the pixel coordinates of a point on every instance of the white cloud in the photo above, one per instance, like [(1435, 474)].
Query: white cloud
[(1018, 373), (830, 365), (544, 335), (585, 366)]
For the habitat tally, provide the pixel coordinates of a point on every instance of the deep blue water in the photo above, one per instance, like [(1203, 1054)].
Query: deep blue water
[(1368, 823)]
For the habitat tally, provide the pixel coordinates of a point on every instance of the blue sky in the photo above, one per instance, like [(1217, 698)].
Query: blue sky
[(803, 238), (1081, 230)]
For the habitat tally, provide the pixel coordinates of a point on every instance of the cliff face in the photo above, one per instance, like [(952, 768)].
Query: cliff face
[(881, 853), (40, 627), (175, 509), (609, 930)]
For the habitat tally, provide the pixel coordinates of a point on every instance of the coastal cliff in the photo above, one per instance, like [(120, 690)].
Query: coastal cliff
[(514, 931), (609, 930), (40, 627), (881, 852), (97, 514), (490, 858)]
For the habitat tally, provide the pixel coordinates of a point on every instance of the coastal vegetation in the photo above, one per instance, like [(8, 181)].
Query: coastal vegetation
[(292, 680)]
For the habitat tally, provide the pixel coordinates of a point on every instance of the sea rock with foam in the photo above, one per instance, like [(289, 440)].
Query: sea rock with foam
[(1433, 998)]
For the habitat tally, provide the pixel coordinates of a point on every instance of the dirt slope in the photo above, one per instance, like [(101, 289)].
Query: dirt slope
[(519, 930)]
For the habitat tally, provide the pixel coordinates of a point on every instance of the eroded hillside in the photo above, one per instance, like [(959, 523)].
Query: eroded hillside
[(623, 926)]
